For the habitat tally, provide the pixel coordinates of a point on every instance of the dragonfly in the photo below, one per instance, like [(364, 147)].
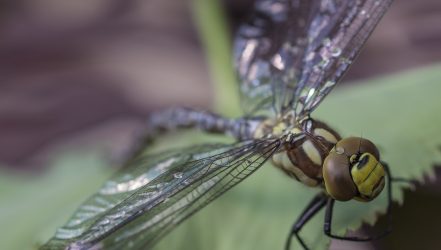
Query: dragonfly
[(288, 55)]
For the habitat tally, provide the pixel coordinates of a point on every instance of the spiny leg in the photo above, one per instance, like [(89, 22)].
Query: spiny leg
[(314, 206), (330, 206)]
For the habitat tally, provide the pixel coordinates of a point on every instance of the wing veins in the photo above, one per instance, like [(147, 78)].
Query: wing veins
[(170, 224)]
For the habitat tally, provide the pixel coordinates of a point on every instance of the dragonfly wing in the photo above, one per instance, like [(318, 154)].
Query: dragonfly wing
[(337, 34), (291, 53), (265, 60), (136, 208)]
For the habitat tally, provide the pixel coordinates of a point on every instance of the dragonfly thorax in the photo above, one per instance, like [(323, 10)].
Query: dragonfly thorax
[(304, 151)]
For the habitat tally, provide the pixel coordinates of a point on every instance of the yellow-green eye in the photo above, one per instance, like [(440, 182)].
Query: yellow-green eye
[(368, 175)]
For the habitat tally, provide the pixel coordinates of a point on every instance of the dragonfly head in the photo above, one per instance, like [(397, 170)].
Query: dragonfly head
[(353, 170)]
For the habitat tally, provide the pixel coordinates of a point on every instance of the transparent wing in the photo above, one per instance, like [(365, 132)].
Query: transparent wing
[(145, 201), (292, 52)]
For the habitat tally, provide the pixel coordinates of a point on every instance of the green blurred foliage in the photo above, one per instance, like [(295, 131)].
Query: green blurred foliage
[(31, 207), (215, 36)]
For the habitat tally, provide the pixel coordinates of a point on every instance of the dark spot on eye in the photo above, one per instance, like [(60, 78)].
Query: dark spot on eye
[(362, 161)]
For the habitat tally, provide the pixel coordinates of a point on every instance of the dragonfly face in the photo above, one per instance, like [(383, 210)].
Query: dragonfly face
[(353, 170), (288, 58), (315, 155)]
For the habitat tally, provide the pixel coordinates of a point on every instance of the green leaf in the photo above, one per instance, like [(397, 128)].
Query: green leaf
[(32, 207)]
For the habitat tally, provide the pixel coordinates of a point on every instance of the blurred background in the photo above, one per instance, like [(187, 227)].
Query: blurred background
[(74, 72), (78, 73)]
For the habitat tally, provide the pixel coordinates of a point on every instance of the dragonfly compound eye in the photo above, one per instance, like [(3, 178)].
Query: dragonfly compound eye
[(352, 170)]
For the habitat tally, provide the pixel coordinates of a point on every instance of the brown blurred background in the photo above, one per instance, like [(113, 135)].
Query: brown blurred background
[(80, 72)]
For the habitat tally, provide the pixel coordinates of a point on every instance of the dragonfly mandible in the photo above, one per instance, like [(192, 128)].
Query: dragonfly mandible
[(288, 55)]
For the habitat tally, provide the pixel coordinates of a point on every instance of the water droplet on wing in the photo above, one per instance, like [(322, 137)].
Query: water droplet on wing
[(335, 51), (178, 175)]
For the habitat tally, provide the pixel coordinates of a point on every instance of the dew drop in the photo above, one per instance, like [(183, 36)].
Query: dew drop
[(178, 175), (335, 51), (105, 221), (319, 67), (324, 63)]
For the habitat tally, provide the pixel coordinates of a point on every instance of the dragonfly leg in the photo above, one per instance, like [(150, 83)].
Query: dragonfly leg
[(314, 206), (330, 206)]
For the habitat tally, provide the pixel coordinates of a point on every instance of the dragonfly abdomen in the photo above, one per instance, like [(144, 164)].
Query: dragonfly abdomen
[(179, 118), (175, 118), (302, 158)]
